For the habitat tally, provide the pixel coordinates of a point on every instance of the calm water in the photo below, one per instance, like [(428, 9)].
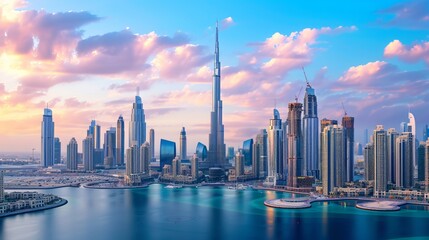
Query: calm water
[(205, 213)]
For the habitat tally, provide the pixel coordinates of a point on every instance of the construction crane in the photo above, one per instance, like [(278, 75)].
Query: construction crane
[(344, 109), (306, 80), (297, 96)]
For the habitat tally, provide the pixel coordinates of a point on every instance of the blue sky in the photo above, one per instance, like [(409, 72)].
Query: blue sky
[(89, 72)]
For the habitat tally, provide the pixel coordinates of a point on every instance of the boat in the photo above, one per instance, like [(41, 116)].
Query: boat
[(172, 186)]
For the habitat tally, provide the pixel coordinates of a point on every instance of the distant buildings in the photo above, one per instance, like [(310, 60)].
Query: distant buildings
[(239, 164), (175, 165), (167, 152), (230, 154), (427, 165), (392, 163), (294, 144), (57, 155), (248, 152), (404, 161), (110, 148), (310, 130), (183, 148), (145, 157), (120, 141), (152, 144), (260, 155), (201, 151), (334, 166), (94, 131), (368, 154), (276, 165), (72, 155), (412, 129), (47, 139), (1, 186), (421, 154), (194, 166), (216, 151)]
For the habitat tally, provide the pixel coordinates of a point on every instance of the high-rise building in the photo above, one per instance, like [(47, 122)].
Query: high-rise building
[(248, 152), (332, 146), (88, 153), (132, 165), (427, 165), (72, 155), (57, 155), (95, 130), (194, 166), (201, 151), (294, 144), (404, 156), (183, 148), (392, 135), (145, 156), (231, 152), (152, 144), (137, 128), (421, 162), (120, 141), (176, 164), (216, 153), (276, 166), (167, 152), (368, 155), (47, 137), (380, 160), (239, 163), (412, 129), (110, 148), (310, 130), (358, 149), (1, 186), (260, 155), (425, 133), (348, 125), (326, 122), (403, 127)]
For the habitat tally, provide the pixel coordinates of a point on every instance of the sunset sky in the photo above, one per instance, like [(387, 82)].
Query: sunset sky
[(86, 58)]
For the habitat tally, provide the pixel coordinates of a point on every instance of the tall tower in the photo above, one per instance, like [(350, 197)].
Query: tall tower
[(294, 144), (152, 144), (145, 156), (239, 164), (88, 153), (412, 129), (311, 133), (72, 155), (275, 149), (137, 130), (392, 135), (57, 146), (110, 148), (380, 160), (217, 148), (120, 141), (427, 165), (368, 154), (349, 128), (47, 153), (183, 144), (404, 156)]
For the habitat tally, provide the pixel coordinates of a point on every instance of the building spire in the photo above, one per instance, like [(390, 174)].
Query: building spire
[(138, 91)]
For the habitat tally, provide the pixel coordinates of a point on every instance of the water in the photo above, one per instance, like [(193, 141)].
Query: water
[(205, 213)]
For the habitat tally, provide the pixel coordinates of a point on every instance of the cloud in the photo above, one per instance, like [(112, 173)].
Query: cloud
[(227, 22), (411, 15), (412, 53)]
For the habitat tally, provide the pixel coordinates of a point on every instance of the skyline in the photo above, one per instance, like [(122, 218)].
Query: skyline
[(260, 72)]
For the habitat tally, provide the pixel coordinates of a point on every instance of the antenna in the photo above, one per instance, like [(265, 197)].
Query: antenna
[(138, 91), (345, 113), (299, 93), (306, 80)]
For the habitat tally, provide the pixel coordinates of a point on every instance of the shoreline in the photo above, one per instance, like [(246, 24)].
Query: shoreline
[(62, 202)]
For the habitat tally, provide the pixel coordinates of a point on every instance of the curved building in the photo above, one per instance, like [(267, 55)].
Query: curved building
[(201, 151), (167, 152)]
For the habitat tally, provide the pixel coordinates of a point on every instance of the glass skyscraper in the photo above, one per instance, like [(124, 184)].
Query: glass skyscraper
[(276, 165), (380, 160), (47, 139), (201, 151), (72, 155), (183, 144), (248, 151), (137, 128), (348, 125), (110, 148), (167, 152), (294, 144), (333, 158), (57, 144), (310, 134), (120, 141)]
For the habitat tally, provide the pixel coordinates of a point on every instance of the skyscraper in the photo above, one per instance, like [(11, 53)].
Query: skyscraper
[(145, 156), (231, 151), (194, 166), (260, 155), (310, 133), (137, 128), (404, 156), (348, 125), (94, 130), (332, 146), (217, 148), (276, 169), (368, 155), (239, 163), (132, 165), (47, 137), (1, 186), (183, 144), (380, 160), (201, 151), (57, 157), (412, 129), (392, 135), (176, 164), (72, 155), (152, 144), (248, 152), (120, 141), (425, 133), (88, 153), (427, 165), (294, 144), (167, 152), (421, 162), (110, 148)]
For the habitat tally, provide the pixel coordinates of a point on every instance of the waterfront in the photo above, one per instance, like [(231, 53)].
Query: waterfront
[(204, 212)]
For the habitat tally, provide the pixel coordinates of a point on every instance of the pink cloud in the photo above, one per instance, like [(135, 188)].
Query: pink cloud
[(363, 74), (227, 22), (412, 14), (411, 53)]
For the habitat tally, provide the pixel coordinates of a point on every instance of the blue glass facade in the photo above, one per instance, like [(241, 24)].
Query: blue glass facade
[(201, 151), (167, 152), (248, 152)]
